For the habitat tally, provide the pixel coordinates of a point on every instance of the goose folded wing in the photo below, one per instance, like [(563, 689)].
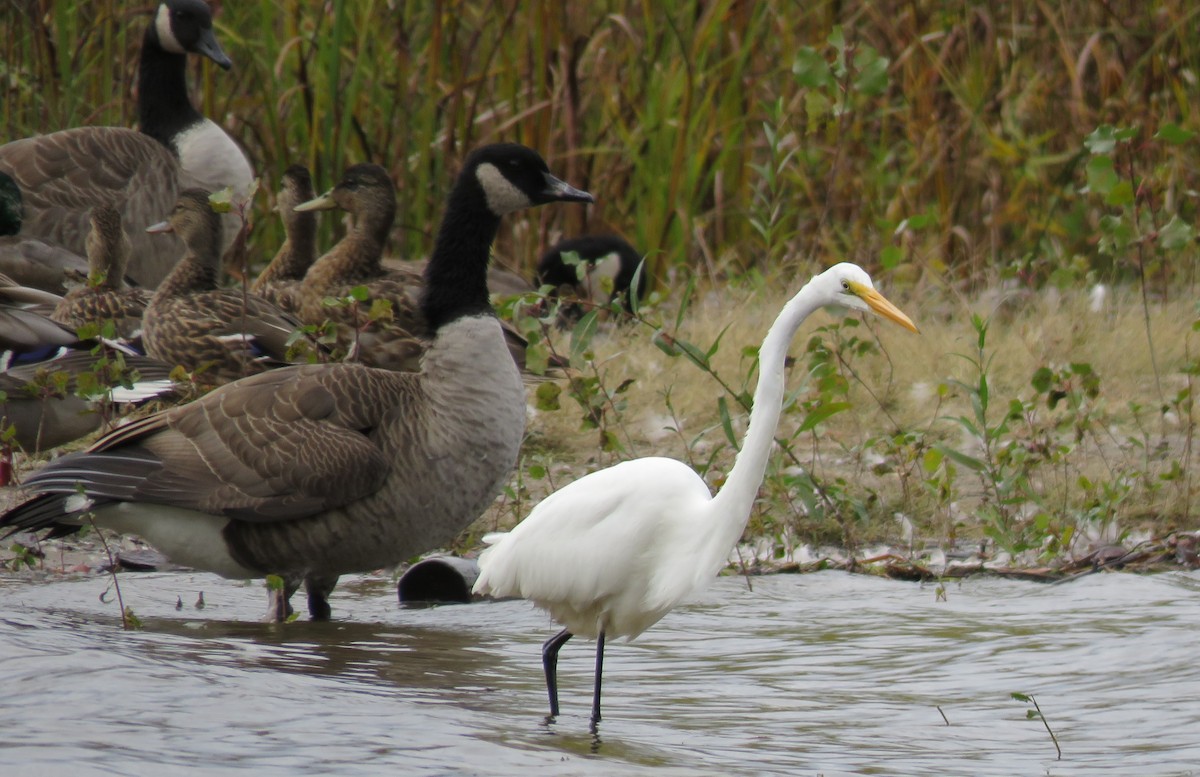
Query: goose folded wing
[(277, 446), (62, 175)]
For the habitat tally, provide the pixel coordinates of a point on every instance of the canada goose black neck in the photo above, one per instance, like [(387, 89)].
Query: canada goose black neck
[(456, 276), (164, 108)]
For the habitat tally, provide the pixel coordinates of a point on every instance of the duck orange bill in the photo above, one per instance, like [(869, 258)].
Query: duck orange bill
[(880, 305)]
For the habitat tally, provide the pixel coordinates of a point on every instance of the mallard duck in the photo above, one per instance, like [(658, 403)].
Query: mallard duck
[(105, 297), (216, 334), (396, 341), (27, 333), (280, 280), (314, 471), (60, 176)]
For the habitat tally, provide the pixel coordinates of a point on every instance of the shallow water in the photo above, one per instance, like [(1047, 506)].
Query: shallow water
[(826, 674)]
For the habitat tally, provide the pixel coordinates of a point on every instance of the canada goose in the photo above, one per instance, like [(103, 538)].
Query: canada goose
[(60, 176), (216, 334), (280, 280), (602, 275), (104, 297), (314, 471), (47, 411)]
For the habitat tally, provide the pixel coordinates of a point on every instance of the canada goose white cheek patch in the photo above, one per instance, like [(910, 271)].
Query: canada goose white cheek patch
[(502, 196), (166, 38), (601, 276)]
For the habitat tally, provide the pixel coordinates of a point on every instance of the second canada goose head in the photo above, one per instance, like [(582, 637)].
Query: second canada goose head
[(605, 270), (366, 192), (107, 247), (495, 180)]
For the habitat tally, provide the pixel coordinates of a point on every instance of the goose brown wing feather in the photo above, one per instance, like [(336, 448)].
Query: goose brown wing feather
[(280, 445), (63, 175)]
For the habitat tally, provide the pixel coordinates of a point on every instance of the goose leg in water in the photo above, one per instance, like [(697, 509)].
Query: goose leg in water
[(599, 671), (550, 663), (319, 589), (279, 602)]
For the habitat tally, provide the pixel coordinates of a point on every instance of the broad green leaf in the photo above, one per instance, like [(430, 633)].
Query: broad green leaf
[(810, 69), (1174, 134), (1175, 234), (1101, 175), (820, 413)]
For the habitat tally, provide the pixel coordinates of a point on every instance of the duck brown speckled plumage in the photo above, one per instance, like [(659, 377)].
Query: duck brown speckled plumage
[(105, 297), (368, 194), (280, 280), (216, 334), (314, 471)]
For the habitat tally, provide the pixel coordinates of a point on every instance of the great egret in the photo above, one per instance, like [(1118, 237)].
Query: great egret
[(613, 552)]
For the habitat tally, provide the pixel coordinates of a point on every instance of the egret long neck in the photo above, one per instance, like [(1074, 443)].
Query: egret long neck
[(736, 497)]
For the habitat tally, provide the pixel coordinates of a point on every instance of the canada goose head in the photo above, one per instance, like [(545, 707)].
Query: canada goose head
[(185, 26), (366, 192), (10, 205), (605, 270), (107, 247), (494, 180), (512, 177), (196, 223)]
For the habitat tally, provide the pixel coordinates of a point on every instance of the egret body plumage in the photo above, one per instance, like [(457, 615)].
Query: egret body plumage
[(613, 552)]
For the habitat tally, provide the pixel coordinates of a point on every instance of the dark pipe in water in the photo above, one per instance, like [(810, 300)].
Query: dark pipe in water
[(438, 580)]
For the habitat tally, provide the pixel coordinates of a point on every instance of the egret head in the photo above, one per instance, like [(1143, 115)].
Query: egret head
[(848, 285)]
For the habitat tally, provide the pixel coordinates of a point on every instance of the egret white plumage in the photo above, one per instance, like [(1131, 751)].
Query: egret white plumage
[(613, 552)]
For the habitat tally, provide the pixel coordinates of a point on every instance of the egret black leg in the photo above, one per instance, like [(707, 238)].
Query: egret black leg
[(599, 672), (550, 664)]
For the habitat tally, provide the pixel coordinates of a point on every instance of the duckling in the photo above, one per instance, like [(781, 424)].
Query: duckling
[(105, 297), (60, 175), (314, 471), (216, 334), (280, 280)]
